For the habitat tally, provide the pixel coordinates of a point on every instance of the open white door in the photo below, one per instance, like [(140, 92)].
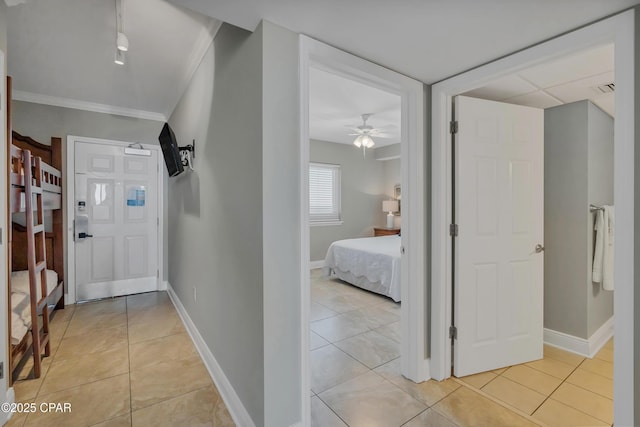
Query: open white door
[(116, 220), (498, 298)]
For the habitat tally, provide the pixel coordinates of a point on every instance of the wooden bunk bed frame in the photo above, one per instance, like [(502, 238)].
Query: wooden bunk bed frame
[(35, 174)]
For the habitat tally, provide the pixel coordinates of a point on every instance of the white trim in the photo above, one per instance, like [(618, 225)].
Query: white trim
[(10, 398), (583, 347), (164, 285), (316, 264), (237, 410), (600, 337), (618, 29), (76, 104), (70, 296), (202, 43), (414, 365), (325, 223)]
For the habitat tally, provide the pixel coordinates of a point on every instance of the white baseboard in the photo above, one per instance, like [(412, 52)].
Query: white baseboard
[(316, 264), (581, 346), (234, 404), (600, 337), (163, 285), (10, 398)]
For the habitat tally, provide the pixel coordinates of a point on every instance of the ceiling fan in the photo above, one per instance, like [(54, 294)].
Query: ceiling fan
[(364, 133)]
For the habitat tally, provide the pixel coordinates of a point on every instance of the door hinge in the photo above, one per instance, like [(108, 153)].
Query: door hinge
[(158, 273), (158, 221), (0, 235), (1, 370), (453, 126), (453, 230), (453, 332)]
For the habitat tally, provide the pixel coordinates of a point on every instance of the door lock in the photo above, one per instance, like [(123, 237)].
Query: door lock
[(84, 235), (539, 248)]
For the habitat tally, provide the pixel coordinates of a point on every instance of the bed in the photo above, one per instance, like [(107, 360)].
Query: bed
[(371, 263), (36, 287)]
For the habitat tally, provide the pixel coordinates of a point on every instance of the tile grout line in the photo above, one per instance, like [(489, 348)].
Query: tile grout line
[(126, 305), (499, 402)]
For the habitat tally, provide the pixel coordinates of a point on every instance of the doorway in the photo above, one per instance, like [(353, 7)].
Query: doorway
[(413, 319), (617, 28), (115, 238)]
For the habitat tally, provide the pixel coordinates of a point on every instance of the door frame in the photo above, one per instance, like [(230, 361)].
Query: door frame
[(70, 296), (414, 363), (618, 29)]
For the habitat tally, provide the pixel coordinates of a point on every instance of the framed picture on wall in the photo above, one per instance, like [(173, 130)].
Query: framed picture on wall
[(397, 194)]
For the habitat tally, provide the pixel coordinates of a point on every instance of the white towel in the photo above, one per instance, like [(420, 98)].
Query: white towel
[(599, 247), (608, 243)]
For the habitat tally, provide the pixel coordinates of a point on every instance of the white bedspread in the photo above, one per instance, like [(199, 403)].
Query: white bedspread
[(375, 258)]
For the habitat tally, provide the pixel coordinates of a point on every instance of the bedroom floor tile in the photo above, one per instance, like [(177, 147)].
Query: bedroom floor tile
[(392, 331), (102, 371), (370, 348), (370, 400), (322, 416), (330, 366), (339, 327), (561, 389), (431, 418)]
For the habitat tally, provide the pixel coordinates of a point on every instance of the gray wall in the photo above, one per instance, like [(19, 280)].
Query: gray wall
[(3, 247), (215, 213), (600, 192), (41, 122), (281, 224), (363, 190), (578, 151), (635, 367), (229, 235), (3, 27)]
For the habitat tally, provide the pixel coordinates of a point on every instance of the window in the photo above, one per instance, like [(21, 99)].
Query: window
[(324, 194)]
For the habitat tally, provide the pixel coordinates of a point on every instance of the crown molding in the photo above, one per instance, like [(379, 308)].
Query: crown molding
[(205, 38), (37, 98)]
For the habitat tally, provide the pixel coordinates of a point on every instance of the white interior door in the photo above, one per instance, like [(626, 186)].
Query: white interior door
[(116, 207), (498, 298)]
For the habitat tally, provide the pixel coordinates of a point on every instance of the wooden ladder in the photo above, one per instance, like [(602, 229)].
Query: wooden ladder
[(36, 258)]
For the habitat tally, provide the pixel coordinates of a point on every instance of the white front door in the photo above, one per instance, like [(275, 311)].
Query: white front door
[(498, 289), (116, 221)]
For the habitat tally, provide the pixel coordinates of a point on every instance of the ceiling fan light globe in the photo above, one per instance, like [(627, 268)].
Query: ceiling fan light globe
[(122, 42), (367, 142), (358, 141)]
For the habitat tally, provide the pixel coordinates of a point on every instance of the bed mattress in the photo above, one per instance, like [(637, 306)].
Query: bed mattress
[(372, 263)]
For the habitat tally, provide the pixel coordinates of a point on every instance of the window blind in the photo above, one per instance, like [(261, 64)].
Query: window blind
[(324, 193)]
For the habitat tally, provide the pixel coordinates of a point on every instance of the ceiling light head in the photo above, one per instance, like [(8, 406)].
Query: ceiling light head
[(367, 142), (119, 57), (122, 42)]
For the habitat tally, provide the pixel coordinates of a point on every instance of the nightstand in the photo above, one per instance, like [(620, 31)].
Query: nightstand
[(385, 231)]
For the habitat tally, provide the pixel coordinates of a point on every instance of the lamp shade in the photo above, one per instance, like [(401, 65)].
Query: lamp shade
[(390, 206)]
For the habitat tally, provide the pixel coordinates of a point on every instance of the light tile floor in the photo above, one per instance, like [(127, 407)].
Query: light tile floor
[(122, 362), (356, 380)]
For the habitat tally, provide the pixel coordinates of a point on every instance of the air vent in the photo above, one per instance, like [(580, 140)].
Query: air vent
[(608, 88)]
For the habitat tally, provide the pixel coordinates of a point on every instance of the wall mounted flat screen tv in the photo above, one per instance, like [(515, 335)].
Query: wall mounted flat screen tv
[(170, 151)]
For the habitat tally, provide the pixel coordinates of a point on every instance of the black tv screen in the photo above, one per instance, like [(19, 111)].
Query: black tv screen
[(170, 151)]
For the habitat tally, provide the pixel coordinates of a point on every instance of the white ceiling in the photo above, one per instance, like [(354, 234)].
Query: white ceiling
[(426, 39), (61, 52), (569, 79), (336, 105)]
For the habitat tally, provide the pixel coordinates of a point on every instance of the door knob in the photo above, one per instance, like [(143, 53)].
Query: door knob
[(539, 248)]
